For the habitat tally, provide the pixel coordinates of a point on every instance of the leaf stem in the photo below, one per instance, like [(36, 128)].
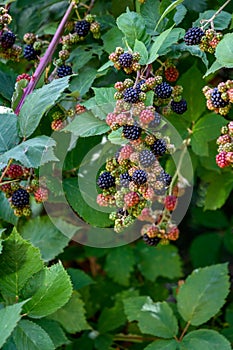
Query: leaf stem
[(214, 16), (184, 330), (133, 338), (46, 58), (6, 169)]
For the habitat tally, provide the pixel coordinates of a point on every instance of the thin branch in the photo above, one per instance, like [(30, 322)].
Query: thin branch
[(184, 330), (6, 169), (215, 15)]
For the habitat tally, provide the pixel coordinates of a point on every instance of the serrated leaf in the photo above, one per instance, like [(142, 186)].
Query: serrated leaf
[(6, 212), (173, 37), (29, 336), (224, 51), (163, 345), (104, 102), (206, 129), (193, 300), (54, 330), (119, 264), (86, 124), (9, 317), (18, 92), (151, 14), (112, 39), (221, 21), (168, 10), (37, 103), (165, 258), (205, 339), (31, 153), (181, 11), (79, 278), (83, 82), (197, 5), (140, 47), (54, 291), (133, 306), (216, 199), (194, 51), (7, 80), (43, 234), (19, 261), (72, 315), (111, 318), (159, 40), (9, 132), (105, 66), (133, 27)]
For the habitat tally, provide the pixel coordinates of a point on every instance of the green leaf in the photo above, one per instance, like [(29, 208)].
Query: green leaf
[(168, 10), (111, 318), (205, 339), (197, 5), (224, 51), (133, 307), (119, 264), (173, 37), (203, 294), (105, 66), (165, 258), (116, 138), (206, 129), (153, 53), (213, 68), (140, 47), (43, 234), (18, 92), (180, 14), (163, 345), (8, 132), (194, 51), (112, 39), (104, 102), (54, 331), (29, 336), (79, 278), (198, 249), (86, 124), (104, 342), (53, 292), (216, 199), (133, 27), (228, 243), (31, 153), (72, 315), (37, 103), (221, 21), (151, 14), (9, 317), (7, 80), (19, 261), (83, 82), (6, 212)]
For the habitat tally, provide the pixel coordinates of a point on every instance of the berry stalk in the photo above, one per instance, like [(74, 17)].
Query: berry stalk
[(46, 58)]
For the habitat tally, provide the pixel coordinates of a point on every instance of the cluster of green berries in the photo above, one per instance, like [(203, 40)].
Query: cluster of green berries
[(18, 183), (207, 40), (128, 61), (60, 116), (220, 98), (32, 48), (224, 158), (5, 18)]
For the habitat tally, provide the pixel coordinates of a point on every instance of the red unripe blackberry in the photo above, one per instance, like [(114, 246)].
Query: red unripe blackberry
[(146, 116), (146, 158), (57, 125), (41, 195), (159, 147), (170, 202), (131, 95), (20, 198), (173, 233), (151, 241), (179, 107), (163, 90), (82, 27), (221, 159), (7, 39), (216, 99), (79, 109), (131, 199), (139, 177), (106, 180), (23, 76), (30, 53), (6, 188), (132, 132), (193, 36), (125, 60), (171, 74), (63, 71), (14, 171)]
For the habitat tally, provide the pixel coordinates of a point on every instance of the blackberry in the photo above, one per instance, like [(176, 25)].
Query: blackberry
[(63, 71), (165, 178), (30, 53), (159, 147), (106, 180), (7, 39), (131, 95), (139, 84), (20, 198), (179, 107), (139, 177), (216, 99), (132, 132), (193, 36), (146, 158), (82, 27), (125, 60), (151, 241), (122, 213), (163, 90), (125, 178), (157, 120)]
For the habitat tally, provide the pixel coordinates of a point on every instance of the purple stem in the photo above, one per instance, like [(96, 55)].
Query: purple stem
[(45, 59)]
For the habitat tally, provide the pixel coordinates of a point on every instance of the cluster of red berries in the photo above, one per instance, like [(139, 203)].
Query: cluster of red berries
[(220, 98), (17, 184), (60, 116), (128, 61), (207, 40), (224, 157)]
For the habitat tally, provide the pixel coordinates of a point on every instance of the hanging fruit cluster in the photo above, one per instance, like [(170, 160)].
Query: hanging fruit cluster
[(220, 98), (207, 40), (224, 157)]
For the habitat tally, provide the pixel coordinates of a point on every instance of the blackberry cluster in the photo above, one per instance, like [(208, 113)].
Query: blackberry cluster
[(210, 40), (131, 95), (220, 98), (216, 99), (163, 90), (153, 241), (125, 60), (139, 177), (146, 158), (224, 158), (7, 39), (82, 27), (30, 53), (106, 180), (132, 132), (63, 71), (20, 198), (128, 61), (159, 147), (193, 36), (125, 179), (179, 107)]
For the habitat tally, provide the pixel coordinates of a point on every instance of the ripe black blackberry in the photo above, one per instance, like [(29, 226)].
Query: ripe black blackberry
[(121, 213), (7, 39), (163, 90), (159, 147), (125, 178), (139, 84), (165, 178), (139, 177), (151, 241), (125, 60), (106, 180), (82, 27), (131, 95), (132, 132), (146, 158), (193, 36), (179, 107), (216, 99), (63, 71), (30, 53), (20, 198)]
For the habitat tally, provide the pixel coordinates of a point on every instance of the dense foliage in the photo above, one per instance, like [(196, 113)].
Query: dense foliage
[(116, 153)]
